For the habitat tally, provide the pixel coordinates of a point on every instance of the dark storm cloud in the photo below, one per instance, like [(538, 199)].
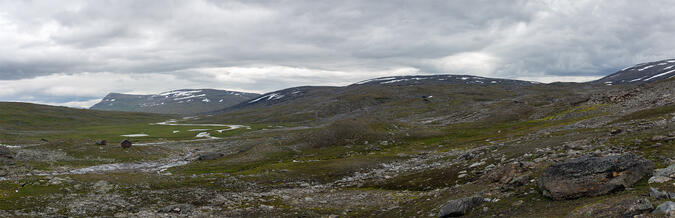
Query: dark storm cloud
[(314, 41)]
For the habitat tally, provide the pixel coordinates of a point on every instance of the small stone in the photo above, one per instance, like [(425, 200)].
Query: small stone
[(518, 203), (176, 208)]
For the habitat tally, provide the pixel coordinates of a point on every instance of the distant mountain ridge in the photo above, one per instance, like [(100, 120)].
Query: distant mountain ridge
[(641, 73), (443, 79), (183, 101)]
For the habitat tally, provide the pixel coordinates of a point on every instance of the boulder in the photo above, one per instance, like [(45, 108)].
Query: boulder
[(125, 143), (6, 156), (176, 208), (101, 142), (210, 156), (593, 176), (460, 207), (667, 207), (615, 131), (663, 175)]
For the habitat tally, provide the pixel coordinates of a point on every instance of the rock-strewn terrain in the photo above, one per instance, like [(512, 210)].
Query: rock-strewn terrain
[(553, 150)]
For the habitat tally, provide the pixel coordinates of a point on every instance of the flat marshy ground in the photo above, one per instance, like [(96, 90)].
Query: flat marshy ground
[(357, 166)]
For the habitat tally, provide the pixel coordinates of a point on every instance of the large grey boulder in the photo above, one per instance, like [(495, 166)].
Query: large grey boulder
[(459, 207), (593, 176)]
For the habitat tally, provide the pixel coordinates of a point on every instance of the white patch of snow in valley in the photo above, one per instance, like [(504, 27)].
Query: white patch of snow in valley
[(176, 131), (10, 146), (206, 100), (205, 135), (197, 130), (135, 135), (233, 127)]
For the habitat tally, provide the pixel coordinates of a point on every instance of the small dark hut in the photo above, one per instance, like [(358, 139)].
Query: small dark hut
[(125, 143), (101, 142)]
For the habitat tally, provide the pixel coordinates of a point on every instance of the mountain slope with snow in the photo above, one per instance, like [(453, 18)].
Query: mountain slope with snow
[(184, 101), (641, 73)]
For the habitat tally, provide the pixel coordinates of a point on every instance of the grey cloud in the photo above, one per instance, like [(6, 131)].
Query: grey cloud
[(517, 39)]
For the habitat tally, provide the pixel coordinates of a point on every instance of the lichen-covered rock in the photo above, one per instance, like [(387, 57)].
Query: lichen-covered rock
[(593, 176), (459, 207)]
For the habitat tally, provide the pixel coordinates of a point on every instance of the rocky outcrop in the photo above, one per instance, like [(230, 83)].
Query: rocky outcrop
[(593, 176), (460, 207)]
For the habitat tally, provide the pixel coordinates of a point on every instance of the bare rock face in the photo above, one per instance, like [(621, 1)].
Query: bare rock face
[(593, 176), (460, 207)]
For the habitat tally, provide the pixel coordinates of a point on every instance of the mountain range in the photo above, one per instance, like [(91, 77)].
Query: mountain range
[(193, 101)]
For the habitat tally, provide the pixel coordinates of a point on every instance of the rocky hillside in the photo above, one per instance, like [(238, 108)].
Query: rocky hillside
[(184, 101), (641, 73), (435, 98)]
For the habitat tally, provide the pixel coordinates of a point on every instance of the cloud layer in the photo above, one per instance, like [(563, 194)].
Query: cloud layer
[(148, 46)]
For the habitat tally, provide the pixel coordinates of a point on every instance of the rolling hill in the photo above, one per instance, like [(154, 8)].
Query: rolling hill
[(184, 101), (641, 73)]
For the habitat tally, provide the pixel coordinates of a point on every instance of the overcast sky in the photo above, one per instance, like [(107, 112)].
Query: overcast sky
[(75, 52)]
